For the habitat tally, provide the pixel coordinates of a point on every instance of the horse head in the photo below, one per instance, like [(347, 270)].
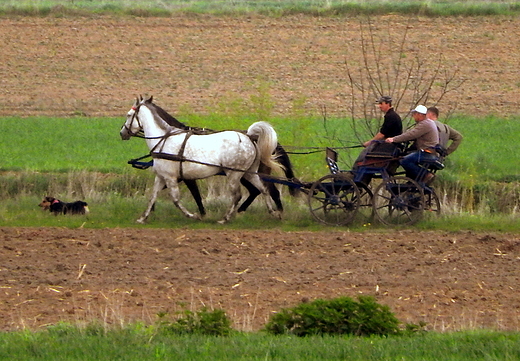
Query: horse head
[(133, 126)]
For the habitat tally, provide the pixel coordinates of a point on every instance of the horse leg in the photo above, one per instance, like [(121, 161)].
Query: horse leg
[(194, 189), (253, 193), (275, 195), (173, 186), (234, 190), (157, 186), (271, 187), (257, 182)]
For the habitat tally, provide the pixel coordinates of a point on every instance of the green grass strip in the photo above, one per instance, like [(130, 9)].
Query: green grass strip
[(154, 8), (140, 343)]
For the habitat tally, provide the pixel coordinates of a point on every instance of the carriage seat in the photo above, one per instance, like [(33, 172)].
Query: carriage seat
[(432, 164), (331, 156), (428, 169), (379, 157), (382, 150)]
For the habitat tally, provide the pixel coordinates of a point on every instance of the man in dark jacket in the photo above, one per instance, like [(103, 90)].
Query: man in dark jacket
[(446, 133), (392, 123), (391, 127)]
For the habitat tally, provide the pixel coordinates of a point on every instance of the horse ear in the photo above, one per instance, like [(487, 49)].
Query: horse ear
[(151, 99)]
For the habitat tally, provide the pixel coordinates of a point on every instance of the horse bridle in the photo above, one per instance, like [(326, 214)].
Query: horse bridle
[(140, 133)]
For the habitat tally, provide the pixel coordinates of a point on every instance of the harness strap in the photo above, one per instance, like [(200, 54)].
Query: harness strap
[(181, 152), (168, 156), (179, 158), (175, 157)]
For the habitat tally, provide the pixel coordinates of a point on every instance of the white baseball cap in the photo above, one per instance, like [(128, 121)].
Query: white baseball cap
[(420, 109)]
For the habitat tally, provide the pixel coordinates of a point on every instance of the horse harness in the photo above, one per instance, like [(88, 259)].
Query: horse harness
[(173, 157)]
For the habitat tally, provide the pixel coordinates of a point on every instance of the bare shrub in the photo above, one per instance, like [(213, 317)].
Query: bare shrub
[(391, 65)]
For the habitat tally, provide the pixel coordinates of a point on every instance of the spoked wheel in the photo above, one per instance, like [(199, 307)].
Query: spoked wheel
[(334, 200), (365, 209), (398, 201), (432, 204)]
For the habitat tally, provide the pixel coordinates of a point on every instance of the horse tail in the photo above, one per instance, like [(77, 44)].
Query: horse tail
[(266, 143), (282, 158)]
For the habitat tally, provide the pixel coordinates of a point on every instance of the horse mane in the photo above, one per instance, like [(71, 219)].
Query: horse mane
[(161, 113)]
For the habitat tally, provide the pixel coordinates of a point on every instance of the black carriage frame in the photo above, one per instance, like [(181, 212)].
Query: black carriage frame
[(341, 197)]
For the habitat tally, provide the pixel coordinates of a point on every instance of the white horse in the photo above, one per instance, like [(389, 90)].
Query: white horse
[(182, 154)]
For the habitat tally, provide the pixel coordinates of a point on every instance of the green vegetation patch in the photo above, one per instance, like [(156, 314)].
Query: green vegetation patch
[(157, 8), (139, 342), (339, 316)]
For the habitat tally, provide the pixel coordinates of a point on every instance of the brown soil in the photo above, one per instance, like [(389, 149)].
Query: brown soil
[(95, 66), (449, 280)]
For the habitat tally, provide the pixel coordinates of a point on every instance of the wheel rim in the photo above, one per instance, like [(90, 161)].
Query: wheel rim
[(334, 200), (432, 203), (399, 201)]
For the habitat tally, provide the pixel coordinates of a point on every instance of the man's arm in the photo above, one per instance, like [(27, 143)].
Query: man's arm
[(378, 136), (456, 139)]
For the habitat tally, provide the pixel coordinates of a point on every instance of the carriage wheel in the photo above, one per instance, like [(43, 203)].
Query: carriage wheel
[(399, 201), (432, 204), (365, 209), (334, 200)]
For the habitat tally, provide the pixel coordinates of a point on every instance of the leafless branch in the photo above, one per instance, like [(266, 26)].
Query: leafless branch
[(394, 67)]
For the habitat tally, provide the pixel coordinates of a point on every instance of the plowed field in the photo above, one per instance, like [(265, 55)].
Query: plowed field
[(448, 280)]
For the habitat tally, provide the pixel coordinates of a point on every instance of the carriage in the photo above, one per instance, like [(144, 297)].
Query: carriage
[(341, 196), (371, 189)]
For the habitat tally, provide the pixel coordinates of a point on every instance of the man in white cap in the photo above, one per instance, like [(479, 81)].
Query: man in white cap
[(425, 136)]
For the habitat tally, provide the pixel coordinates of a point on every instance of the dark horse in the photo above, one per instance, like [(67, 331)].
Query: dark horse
[(281, 157)]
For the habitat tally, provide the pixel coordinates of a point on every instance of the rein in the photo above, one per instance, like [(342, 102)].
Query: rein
[(318, 149), (156, 153)]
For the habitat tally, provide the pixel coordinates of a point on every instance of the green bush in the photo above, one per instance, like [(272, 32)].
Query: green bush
[(338, 316), (202, 322)]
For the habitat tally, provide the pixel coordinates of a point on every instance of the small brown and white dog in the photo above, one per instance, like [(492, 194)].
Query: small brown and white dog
[(58, 207)]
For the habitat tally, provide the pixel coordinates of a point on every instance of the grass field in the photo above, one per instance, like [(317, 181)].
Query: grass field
[(264, 7), (141, 343), (84, 158), (93, 144)]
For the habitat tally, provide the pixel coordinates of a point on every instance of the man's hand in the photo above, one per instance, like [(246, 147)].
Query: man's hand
[(389, 140)]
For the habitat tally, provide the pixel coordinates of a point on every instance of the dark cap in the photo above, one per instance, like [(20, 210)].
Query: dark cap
[(384, 98)]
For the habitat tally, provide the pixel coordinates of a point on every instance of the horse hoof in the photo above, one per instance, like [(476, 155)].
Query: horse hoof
[(195, 216), (277, 214), (223, 221), (141, 220)]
